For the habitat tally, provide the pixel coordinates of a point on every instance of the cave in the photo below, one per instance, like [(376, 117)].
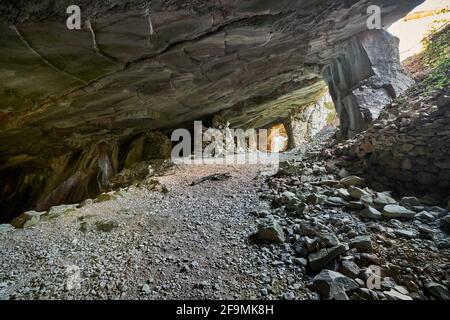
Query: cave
[(90, 104)]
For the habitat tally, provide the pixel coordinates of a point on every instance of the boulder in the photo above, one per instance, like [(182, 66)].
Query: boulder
[(367, 200), (285, 198), (396, 211), (365, 294), (352, 181), (371, 213), (312, 199), (425, 217), (383, 199), (311, 244), (334, 285), (296, 207), (306, 229), (322, 258), (349, 269), (367, 147), (31, 222), (335, 202), (327, 240), (5, 227), (362, 243), (300, 248), (355, 205), (437, 290), (343, 193), (269, 230), (343, 173), (27, 219), (410, 202), (388, 283), (405, 233), (357, 193), (445, 224)]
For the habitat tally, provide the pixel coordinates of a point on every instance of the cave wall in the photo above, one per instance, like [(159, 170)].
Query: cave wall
[(305, 124), (364, 79), (44, 181)]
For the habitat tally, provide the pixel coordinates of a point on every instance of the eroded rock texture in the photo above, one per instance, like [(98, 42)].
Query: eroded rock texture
[(73, 102)]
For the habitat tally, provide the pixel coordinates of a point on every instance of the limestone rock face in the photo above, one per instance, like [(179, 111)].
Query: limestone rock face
[(73, 102), (305, 124)]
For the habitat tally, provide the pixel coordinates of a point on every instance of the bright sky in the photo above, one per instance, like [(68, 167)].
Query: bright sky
[(411, 32)]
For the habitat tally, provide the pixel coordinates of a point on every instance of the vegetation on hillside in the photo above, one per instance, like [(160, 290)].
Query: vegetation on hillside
[(431, 67)]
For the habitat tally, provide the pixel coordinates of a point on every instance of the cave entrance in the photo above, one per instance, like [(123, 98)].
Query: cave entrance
[(277, 138)]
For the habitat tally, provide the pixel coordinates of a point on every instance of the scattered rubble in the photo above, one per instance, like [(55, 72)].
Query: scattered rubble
[(354, 242)]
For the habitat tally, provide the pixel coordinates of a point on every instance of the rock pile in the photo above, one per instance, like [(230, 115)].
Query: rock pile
[(351, 241), (407, 149)]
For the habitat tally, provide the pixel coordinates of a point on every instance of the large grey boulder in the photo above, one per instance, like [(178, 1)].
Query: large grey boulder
[(365, 79)]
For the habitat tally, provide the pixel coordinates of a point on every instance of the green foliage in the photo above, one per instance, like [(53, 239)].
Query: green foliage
[(329, 105), (436, 56), (439, 78), (434, 60), (331, 115), (436, 46)]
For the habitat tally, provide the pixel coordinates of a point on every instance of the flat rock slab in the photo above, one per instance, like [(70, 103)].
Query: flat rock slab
[(396, 211)]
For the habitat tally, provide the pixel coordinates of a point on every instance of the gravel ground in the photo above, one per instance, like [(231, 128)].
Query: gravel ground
[(191, 242)]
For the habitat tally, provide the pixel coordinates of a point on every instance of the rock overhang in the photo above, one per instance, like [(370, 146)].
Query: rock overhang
[(203, 57)]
